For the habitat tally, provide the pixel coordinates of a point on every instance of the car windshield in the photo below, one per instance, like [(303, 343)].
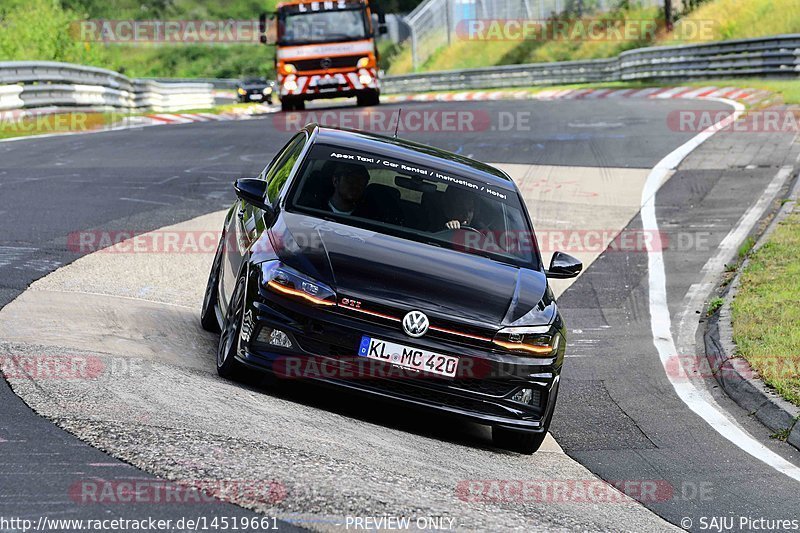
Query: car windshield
[(323, 27), (387, 195)]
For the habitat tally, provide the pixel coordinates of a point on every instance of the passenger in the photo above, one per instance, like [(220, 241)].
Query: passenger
[(459, 208)]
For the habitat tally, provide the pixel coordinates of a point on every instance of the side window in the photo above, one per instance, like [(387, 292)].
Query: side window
[(279, 172)]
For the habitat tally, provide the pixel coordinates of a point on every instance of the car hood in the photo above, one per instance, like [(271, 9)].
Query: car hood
[(404, 274)]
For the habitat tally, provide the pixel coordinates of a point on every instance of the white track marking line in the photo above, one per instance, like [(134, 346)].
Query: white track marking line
[(661, 321), (143, 201), (727, 249)]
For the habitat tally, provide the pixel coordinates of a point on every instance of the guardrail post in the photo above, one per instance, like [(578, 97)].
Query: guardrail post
[(414, 51)]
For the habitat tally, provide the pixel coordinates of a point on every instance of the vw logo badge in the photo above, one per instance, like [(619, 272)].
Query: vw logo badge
[(326, 63), (415, 324)]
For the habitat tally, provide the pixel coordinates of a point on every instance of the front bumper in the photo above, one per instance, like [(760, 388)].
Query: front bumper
[(328, 85), (324, 350), (255, 96)]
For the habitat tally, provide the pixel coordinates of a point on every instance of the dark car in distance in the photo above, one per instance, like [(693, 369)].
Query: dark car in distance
[(255, 90), (393, 269)]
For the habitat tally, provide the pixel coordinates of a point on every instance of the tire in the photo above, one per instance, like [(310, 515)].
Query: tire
[(290, 104), (208, 315), (520, 441), (230, 337)]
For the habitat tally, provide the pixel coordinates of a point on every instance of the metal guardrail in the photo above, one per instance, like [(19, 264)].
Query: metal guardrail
[(32, 84), (761, 57), (436, 23), (9, 97), (149, 94)]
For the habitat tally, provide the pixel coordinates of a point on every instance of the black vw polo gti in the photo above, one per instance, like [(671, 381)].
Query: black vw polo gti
[(396, 269)]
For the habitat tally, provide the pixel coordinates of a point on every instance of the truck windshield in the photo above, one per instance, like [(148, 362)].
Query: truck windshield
[(323, 26)]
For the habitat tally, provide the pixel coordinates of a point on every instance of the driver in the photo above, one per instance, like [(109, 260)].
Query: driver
[(349, 183), (459, 208)]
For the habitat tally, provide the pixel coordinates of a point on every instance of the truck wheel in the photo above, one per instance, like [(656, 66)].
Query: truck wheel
[(290, 104), (368, 98)]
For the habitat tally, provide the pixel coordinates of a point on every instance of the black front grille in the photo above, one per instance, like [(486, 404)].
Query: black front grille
[(484, 386), (433, 395), (324, 63)]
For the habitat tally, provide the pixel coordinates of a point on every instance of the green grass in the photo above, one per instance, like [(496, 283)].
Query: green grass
[(713, 21), (56, 123), (766, 310), (78, 122), (788, 90), (44, 30), (714, 305), (739, 19)]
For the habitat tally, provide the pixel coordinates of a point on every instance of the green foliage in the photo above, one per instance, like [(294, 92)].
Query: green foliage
[(194, 61), (40, 30), (765, 311), (47, 30), (713, 305)]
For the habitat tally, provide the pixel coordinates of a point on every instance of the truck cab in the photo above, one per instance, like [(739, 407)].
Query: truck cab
[(326, 49)]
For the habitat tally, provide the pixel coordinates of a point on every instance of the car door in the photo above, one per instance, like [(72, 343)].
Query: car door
[(247, 222)]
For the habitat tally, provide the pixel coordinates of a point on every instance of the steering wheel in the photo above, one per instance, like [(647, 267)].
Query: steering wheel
[(466, 228)]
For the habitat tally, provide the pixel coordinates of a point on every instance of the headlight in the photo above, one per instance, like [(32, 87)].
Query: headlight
[(535, 341), (290, 84), (288, 68), (365, 79), (241, 91), (293, 284), (363, 62), (267, 90)]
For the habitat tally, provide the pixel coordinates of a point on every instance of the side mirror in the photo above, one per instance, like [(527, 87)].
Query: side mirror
[(253, 191), (563, 266), (382, 30)]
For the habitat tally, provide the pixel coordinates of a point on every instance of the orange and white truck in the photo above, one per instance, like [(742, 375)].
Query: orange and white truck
[(326, 49)]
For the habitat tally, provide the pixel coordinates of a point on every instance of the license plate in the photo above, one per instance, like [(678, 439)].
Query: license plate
[(408, 357), (256, 97), (332, 82)]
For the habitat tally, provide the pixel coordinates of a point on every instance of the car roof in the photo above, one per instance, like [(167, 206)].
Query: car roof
[(411, 152)]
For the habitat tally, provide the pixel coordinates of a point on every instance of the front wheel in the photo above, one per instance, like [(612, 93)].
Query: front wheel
[(230, 340), (209, 317), (524, 442)]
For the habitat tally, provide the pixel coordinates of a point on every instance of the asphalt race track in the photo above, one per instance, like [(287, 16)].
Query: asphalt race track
[(333, 456)]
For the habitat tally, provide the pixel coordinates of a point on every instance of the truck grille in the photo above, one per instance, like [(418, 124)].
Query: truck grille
[(326, 63)]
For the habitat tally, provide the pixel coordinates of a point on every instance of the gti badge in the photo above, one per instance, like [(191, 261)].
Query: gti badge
[(415, 323), (326, 63)]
